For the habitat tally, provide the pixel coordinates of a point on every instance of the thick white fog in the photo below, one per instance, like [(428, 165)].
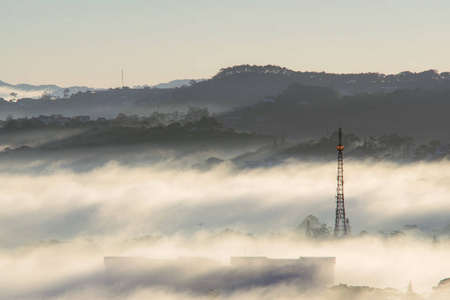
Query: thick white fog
[(56, 228)]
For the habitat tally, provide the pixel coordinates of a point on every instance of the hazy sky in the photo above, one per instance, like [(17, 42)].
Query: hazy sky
[(88, 42)]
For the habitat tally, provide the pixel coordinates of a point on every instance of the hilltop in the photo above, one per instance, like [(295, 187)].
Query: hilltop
[(245, 84), (272, 99)]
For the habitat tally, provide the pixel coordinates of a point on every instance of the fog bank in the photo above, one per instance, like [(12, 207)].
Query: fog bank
[(56, 228)]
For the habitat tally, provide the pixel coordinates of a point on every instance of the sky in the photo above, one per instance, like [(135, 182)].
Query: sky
[(88, 43)]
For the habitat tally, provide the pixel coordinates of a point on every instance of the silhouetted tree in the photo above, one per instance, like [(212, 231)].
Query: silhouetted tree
[(195, 113), (14, 95), (11, 123), (66, 92), (47, 96)]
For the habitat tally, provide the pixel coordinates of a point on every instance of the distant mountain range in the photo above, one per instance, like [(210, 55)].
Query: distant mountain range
[(268, 100), (35, 91), (172, 84), (245, 84)]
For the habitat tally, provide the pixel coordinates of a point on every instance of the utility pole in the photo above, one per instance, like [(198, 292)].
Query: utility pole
[(341, 225)]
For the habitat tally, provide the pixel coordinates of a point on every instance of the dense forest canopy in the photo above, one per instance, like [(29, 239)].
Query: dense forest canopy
[(268, 69), (369, 76), (270, 99)]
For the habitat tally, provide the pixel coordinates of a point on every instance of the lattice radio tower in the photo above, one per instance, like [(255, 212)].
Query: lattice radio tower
[(340, 228)]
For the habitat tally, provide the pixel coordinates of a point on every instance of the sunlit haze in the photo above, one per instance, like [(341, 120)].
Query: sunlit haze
[(204, 149), (73, 220)]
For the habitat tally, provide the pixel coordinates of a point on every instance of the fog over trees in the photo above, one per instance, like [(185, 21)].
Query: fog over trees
[(241, 164), (270, 99)]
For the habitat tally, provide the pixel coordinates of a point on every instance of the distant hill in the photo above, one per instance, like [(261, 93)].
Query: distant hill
[(245, 84), (87, 145), (309, 112), (270, 100), (35, 91), (177, 83)]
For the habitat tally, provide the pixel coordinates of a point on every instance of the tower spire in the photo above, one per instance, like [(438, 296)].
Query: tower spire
[(340, 228)]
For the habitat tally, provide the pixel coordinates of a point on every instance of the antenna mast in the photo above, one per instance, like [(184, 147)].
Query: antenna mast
[(340, 228), (122, 79)]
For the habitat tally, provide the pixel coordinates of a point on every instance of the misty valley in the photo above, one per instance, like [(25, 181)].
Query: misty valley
[(226, 188)]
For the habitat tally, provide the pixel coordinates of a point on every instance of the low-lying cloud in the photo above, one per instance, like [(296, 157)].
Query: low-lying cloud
[(6, 91), (56, 228)]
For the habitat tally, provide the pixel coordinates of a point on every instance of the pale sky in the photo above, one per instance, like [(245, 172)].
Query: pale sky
[(89, 42)]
